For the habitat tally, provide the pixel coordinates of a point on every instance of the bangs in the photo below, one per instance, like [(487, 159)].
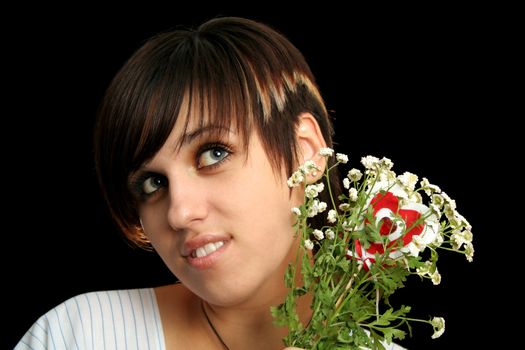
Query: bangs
[(194, 89)]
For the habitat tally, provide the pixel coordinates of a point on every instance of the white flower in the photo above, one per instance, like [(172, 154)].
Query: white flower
[(453, 217), (428, 187), (435, 210), (436, 278), (346, 183), (346, 226), (330, 234), (424, 183), (451, 203), (469, 252), (419, 242), (411, 248), (463, 221), (296, 179), (352, 194), (311, 191), (321, 207), (332, 216), (408, 180), (308, 167), (386, 163), (425, 269), (461, 237), (355, 174), (308, 244), (296, 211), (341, 158), (437, 200), (317, 207), (387, 176), (326, 152), (344, 206), (318, 234), (438, 240), (439, 326), (370, 162), (415, 197)]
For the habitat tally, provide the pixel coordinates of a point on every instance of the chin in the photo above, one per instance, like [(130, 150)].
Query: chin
[(234, 292)]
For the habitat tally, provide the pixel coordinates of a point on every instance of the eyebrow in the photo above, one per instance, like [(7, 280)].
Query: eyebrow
[(189, 137)]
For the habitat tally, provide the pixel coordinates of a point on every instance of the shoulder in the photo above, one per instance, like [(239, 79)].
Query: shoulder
[(98, 319)]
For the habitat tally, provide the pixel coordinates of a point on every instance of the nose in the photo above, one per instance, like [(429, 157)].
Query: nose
[(187, 202)]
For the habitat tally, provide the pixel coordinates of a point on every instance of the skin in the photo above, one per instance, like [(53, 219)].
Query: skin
[(201, 195)]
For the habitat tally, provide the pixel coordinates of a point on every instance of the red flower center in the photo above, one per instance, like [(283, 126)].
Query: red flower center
[(393, 222), (387, 226)]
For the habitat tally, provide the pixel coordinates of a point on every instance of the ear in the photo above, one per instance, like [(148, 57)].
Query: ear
[(310, 140)]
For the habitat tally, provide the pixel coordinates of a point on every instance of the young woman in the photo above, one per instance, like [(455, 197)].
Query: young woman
[(195, 139)]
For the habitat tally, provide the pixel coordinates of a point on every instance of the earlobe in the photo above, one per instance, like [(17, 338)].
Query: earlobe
[(310, 140)]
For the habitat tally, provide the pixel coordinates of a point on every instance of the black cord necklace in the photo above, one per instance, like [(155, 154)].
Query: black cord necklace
[(212, 327)]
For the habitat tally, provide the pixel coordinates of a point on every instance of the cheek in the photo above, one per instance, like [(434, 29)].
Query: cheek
[(164, 243), (154, 223), (270, 212)]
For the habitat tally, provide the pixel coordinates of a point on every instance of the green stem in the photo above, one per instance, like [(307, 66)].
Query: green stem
[(327, 176)]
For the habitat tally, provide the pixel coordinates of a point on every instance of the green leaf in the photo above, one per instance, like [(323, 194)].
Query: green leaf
[(344, 335)]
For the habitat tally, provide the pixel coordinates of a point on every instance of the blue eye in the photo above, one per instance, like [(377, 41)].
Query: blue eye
[(212, 156), (153, 183)]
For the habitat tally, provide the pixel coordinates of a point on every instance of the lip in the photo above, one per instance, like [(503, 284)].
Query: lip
[(200, 241)]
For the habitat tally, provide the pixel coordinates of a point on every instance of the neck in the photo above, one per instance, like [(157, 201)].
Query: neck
[(249, 324), (251, 327)]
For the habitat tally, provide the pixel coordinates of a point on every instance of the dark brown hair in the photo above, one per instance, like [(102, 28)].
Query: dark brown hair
[(235, 71)]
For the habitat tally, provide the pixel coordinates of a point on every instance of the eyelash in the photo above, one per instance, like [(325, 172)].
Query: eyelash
[(137, 184), (208, 147)]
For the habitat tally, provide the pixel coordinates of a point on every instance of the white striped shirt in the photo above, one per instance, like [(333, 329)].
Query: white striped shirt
[(106, 320), (120, 319)]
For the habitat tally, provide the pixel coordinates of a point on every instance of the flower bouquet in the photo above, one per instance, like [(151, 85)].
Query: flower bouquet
[(383, 229)]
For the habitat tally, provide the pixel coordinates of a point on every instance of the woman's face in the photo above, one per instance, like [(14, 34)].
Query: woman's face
[(219, 218)]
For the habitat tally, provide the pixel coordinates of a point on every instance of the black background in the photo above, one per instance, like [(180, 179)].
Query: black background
[(417, 85)]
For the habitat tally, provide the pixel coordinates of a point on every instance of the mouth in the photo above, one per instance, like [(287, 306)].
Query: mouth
[(208, 249), (204, 251)]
